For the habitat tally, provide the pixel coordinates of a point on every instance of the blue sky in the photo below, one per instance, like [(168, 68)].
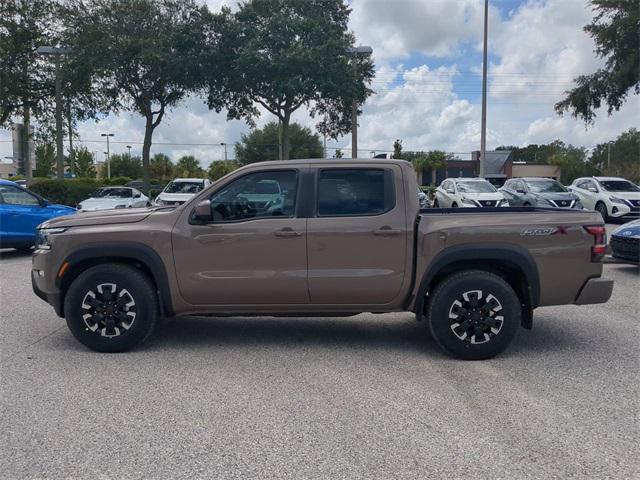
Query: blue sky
[(428, 56)]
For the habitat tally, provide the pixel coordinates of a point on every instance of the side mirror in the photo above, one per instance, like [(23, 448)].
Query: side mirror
[(521, 191), (137, 195), (43, 202), (593, 189), (450, 190), (202, 212)]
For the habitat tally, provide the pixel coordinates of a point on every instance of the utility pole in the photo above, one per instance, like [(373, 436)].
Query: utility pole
[(483, 132), (225, 150), (26, 151), (57, 52), (608, 156), (108, 154), (355, 51), (129, 149)]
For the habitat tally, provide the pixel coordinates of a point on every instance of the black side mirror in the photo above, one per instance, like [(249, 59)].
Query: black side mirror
[(202, 212)]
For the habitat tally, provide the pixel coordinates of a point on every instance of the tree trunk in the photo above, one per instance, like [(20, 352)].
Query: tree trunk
[(146, 151), (286, 147), (433, 176), (26, 154)]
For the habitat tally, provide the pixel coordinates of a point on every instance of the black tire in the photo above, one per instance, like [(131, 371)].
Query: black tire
[(454, 205), (24, 249), (526, 204), (436, 204), (462, 342), (601, 208), (110, 333)]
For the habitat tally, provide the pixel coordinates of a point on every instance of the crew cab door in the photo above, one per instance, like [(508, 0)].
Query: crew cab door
[(357, 236), (253, 250)]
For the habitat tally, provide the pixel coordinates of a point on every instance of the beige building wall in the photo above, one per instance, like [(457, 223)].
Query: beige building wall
[(7, 170), (531, 170)]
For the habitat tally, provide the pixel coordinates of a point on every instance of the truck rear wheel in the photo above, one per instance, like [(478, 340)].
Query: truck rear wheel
[(111, 307), (474, 315)]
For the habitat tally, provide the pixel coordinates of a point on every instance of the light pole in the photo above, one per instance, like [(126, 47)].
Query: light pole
[(225, 150), (355, 51), (483, 128), (129, 148), (108, 154), (57, 52)]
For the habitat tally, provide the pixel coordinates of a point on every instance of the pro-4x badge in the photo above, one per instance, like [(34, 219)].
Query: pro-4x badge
[(544, 231)]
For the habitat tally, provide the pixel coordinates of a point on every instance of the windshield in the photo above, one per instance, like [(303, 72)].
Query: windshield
[(184, 187), (619, 186), (546, 186), (476, 187), (113, 193)]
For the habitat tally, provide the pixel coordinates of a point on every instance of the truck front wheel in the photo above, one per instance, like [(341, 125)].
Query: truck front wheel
[(473, 315), (111, 307)]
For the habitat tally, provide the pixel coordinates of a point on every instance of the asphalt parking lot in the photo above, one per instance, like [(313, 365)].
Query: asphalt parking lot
[(362, 397)]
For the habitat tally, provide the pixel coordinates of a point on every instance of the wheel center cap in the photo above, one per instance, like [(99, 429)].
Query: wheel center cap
[(109, 310), (475, 316)]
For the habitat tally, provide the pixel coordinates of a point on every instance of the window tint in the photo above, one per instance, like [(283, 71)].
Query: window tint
[(256, 195), (14, 196), (355, 192)]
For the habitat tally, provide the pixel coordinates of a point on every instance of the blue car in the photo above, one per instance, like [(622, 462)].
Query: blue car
[(625, 242), (21, 211)]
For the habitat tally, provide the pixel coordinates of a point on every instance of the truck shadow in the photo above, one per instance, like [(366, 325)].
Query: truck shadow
[(386, 333)]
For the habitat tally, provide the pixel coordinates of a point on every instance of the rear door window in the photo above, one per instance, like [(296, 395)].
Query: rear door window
[(355, 192)]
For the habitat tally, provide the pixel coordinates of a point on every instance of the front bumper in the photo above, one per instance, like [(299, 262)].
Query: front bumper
[(620, 210), (53, 299), (595, 290)]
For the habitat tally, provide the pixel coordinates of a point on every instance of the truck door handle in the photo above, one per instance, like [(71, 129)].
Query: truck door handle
[(287, 232), (386, 231)]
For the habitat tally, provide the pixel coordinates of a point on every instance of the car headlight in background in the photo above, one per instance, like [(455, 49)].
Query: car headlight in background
[(43, 237), (503, 203), (79, 206), (578, 205), (542, 202), (158, 202), (121, 206), (468, 201), (617, 200)]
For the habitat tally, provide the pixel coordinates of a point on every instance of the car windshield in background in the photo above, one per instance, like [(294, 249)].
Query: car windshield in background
[(546, 186), (476, 187), (184, 187), (113, 193), (619, 186)]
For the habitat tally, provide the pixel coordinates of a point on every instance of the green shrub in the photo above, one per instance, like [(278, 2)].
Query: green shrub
[(116, 181), (66, 192)]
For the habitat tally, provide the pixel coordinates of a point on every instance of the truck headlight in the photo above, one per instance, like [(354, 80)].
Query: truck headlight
[(43, 237)]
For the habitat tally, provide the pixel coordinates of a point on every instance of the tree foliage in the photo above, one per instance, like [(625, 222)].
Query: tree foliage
[(45, 160), (26, 80), (397, 148), (283, 54), (143, 55), (83, 163), (261, 144), (162, 167), (123, 166), (615, 30), (188, 166), (620, 157), (220, 168), (432, 160)]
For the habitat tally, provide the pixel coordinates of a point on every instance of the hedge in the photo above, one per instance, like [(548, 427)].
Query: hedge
[(65, 192)]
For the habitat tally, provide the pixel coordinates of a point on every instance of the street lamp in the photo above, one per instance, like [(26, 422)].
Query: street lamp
[(225, 150), (356, 51), (129, 148), (57, 52), (107, 152), (483, 128)]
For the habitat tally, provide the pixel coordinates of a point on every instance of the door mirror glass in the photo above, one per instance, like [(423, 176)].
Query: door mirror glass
[(450, 190), (202, 212), (592, 189)]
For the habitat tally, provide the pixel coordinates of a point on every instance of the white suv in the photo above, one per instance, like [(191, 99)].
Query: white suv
[(468, 192), (179, 190), (613, 197)]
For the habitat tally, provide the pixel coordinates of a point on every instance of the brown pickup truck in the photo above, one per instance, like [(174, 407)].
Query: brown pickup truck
[(324, 238)]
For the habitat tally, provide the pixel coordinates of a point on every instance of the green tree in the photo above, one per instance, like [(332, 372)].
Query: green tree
[(188, 166), (45, 160), (25, 77), (283, 54), (615, 32), (143, 55), (220, 168), (162, 167), (421, 161), (338, 153), (83, 163), (572, 163), (123, 166), (620, 157), (261, 144), (397, 148)]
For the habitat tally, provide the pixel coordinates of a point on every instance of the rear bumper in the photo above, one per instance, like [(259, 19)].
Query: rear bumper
[(595, 290)]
